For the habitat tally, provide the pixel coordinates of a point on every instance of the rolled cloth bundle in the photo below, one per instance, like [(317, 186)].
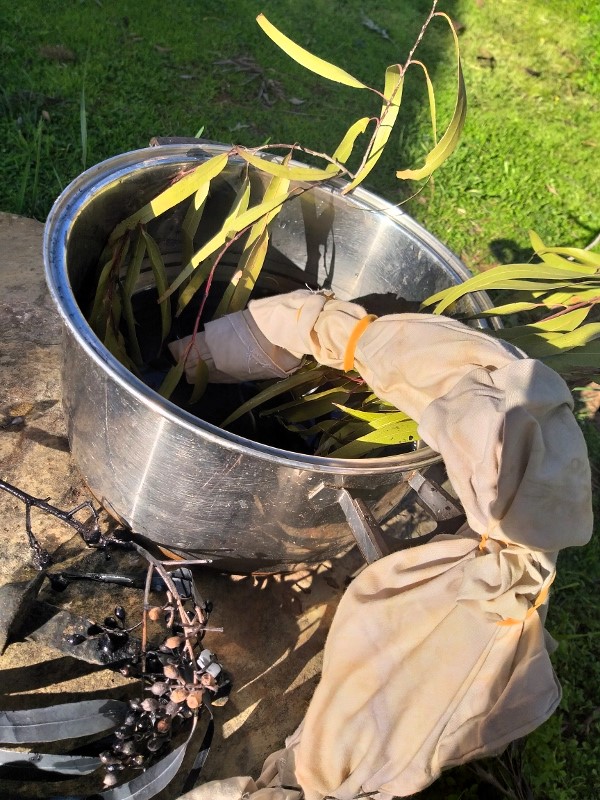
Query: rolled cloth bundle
[(436, 654)]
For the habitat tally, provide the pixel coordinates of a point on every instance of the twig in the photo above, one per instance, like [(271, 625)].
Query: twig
[(421, 34), (90, 533)]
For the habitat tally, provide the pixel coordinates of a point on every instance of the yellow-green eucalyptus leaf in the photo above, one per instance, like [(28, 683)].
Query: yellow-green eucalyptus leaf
[(392, 93), (309, 406), (200, 381), (312, 376), (161, 281), (394, 434), (172, 379), (174, 194), (514, 276), (191, 221), (250, 265), (344, 149), (229, 228), (292, 173), (555, 260), (306, 59), (449, 141), (577, 253)]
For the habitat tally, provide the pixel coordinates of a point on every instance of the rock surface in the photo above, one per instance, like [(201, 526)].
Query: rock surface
[(274, 628)]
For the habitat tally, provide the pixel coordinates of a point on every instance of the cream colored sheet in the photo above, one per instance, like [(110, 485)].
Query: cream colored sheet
[(436, 654)]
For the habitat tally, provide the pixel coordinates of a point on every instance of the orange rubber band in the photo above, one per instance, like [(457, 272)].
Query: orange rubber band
[(541, 598), (357, 332)]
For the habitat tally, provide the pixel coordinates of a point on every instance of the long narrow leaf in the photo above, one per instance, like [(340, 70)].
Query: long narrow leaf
[(344, 149), (399, 432), (311, 376), (64, 721), (449, 141), (191, 221), (49, 762), (217, 241), (580, 255), (306, 59), (173, 195), (172, 378), (392, 93), (239, 206), (200, 381), (127, 288), (311, 406), (161, 281), (237, 294), (513, 276), (251, 265), (292, 173)]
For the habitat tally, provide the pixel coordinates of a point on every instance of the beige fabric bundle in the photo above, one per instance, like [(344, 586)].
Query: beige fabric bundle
[(437, 654)]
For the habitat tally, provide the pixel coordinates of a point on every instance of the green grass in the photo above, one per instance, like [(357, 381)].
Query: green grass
[(528, 159)]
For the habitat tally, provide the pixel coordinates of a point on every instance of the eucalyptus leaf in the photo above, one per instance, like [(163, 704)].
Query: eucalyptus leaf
[(200, 381), (397, 432), (310, 406), (49, 762), (292, 172), (243, 221), (171, 379), (346, 146), (64, 721), (161, 281), (392, 94), (577, 253), (449, 141), (306, 59), (191, 221), (310, 376), (127, 288), (178, 191)]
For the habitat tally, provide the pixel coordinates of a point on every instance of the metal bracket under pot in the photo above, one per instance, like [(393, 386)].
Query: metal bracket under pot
[(372, 542)]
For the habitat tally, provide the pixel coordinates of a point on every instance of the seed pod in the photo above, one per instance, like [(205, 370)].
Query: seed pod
[(75, 638), (207, 680), (171, 672), (105, 644), (173, 642), (171, 708), (150, 704), (154, 743), (155, 613), (120, 613), (178, 695), (106, 757), (128, 748), (116, 767), (110, 780), (163, 725), (138, 760), (159, 688), (111, 623), (94, 629), (194, 699)]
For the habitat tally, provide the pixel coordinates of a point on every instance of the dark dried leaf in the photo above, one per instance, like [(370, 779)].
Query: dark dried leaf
[(66, 765), (16, 600), (64, 721)]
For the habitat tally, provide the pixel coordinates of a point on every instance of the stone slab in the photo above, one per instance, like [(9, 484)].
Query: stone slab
[(274, 628)]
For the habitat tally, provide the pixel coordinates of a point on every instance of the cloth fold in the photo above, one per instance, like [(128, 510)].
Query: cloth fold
[(437, 654)]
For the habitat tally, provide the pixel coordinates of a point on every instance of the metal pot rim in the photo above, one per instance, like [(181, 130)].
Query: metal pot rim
[(79, 192)]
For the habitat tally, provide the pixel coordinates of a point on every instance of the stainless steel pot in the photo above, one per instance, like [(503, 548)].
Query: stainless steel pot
[(185, 484)]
